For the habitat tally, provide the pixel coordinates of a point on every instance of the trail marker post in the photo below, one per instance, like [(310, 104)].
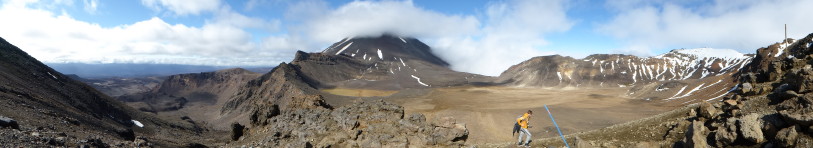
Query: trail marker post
[(557, 126)]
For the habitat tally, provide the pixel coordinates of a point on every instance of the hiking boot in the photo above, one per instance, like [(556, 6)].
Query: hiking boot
[(519, 143)]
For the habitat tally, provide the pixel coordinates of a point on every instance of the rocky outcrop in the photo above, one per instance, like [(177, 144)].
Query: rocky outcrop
[(696, 135), (275, 88), (361, 124), (773, 105)]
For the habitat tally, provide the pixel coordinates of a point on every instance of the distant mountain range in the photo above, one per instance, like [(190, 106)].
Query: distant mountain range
[(391, 62), (85, 70)]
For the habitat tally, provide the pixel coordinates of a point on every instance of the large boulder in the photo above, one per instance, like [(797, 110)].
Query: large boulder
[(237, 131), (800, 79), (746, 88), (750, 128), (787, 136), (8, 122), (726, 134), (448, 132), (707, 110), (799, 116), (771, 125), (696, 135)]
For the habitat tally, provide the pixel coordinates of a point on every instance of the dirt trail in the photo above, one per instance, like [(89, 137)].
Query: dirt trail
[(489, 112)]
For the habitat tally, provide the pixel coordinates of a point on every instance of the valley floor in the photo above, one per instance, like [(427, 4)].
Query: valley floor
[(489, 112)]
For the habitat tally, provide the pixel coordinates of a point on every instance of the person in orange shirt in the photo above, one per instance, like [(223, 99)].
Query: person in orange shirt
[(523, 123)]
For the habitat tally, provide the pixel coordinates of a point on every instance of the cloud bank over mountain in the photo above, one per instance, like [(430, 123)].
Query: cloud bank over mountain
[(506, 34)]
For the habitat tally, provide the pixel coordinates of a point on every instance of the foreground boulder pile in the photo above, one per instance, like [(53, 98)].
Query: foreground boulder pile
[(312, 123), (771, 107)]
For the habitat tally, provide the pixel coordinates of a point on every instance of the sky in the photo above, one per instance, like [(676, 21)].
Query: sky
[(477, 36)]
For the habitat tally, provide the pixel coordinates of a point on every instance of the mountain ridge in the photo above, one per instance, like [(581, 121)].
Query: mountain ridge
[(55, 110)]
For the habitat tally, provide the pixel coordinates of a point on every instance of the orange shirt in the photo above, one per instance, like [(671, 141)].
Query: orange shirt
[(523, 121)]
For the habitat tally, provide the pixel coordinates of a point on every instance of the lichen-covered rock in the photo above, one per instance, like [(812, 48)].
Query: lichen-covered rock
[(707, 110), (746, 88), (803, 117), (726, 134), (446, 130), (750, 128), (787, 136), (696, 135)]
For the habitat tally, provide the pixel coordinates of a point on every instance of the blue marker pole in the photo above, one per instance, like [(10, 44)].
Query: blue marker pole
[(557, 126)]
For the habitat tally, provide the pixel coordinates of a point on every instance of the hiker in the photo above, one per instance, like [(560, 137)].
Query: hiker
[(522, 125)]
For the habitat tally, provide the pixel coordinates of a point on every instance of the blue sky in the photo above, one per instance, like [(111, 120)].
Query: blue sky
[(478, 36)]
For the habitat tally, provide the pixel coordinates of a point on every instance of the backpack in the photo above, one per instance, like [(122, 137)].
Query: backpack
[(516, 127)]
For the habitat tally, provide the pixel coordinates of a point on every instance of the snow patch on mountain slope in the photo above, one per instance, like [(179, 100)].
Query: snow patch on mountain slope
[(690, 92), (679, 91), (781, 49), (49, 73), (380, 55), (701, 53), (343, 48), (137, 123), (419, 80)]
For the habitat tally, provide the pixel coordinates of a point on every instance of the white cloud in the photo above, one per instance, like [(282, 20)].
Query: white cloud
[(511, 32), (226, 17), (366, 18), (51, 37), (183, 7), (743, 25), (91, 6), (514, 32), (503, 34)]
